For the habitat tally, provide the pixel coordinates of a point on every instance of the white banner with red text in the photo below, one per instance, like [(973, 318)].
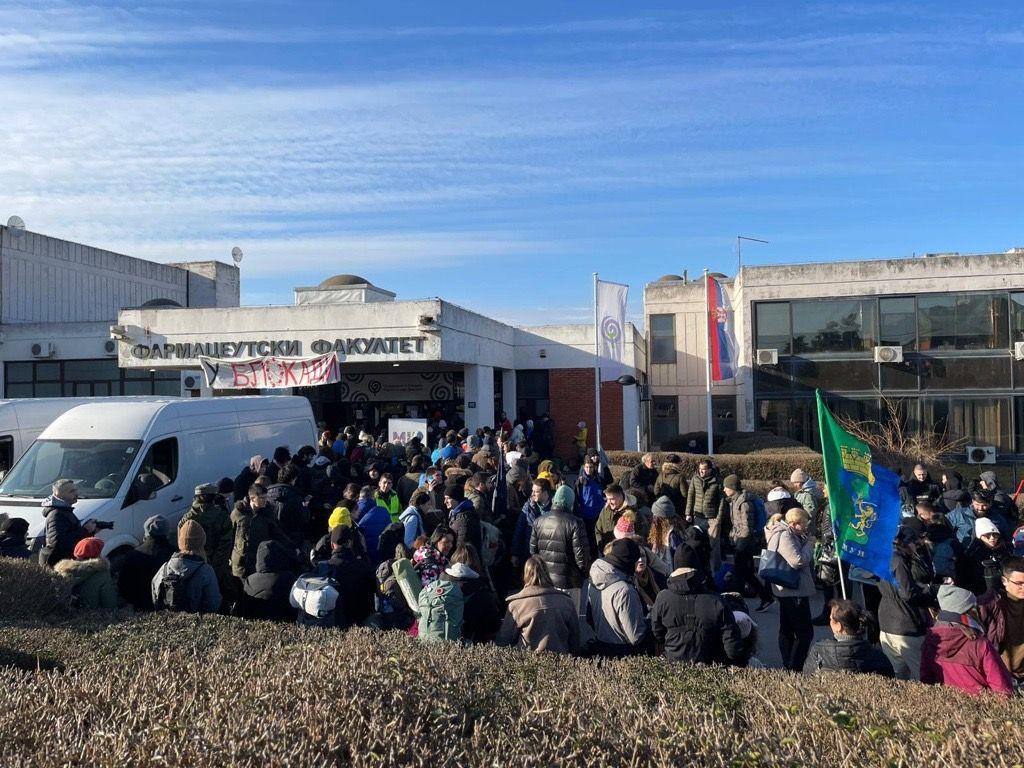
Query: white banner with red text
[(271, 372)]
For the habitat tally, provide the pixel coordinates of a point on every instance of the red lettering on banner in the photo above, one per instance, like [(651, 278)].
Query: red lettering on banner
[(239, 380)]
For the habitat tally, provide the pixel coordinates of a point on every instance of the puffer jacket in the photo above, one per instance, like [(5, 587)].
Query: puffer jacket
[(693, 623), (849, 653), (541, 619), (961, 657), (672, 483), (561, 541), (252, 527), (705, 497), (614, 606), (291, 514), (63, 531), (798, 552), (267, 590), (201, 589), (216, 524), (93, 586), (743, 516)]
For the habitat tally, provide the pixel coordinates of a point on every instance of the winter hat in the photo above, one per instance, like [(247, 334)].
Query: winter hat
[(732, 482), (206, 489), (88, 548), (256, 463), (155, 526), (191, 538), (989, 477), (798, 476), (564, 498), (1018, 541), (778, 494), (745, 623), (455, 491), (686, 558), (984, 526), (626, 525), (664, 508), (15, 527), (623, 555), (341, 517), (956, 599), (461, 571), (581, 424)]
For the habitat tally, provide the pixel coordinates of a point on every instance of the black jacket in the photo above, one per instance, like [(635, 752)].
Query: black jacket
[(137, 568), (980, 568), (243, 481), (561, 541), (480, 620), (357, 586), (465, 524), (291, 514), (694, 624), (12, 538), (903, 608), (267, 590), (63, 532), (852, 654), (913, 490), (641, 478)]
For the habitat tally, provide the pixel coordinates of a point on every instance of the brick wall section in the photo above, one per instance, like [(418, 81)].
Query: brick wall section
[(571, 392)]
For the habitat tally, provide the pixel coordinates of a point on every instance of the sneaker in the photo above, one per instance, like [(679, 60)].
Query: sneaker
[(764, 606)]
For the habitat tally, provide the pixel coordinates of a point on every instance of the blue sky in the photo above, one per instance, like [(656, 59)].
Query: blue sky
[(497, 154)]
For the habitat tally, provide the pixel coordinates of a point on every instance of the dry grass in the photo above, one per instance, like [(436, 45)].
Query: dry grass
[(27, 590)]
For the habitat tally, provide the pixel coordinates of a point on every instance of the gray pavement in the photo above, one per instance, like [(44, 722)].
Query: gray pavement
[(768, 630)]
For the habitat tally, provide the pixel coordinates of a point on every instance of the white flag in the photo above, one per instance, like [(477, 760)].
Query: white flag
[(611, 329)]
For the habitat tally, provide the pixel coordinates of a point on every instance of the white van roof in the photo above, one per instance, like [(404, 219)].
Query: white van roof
[(134, 420), (39, 412)]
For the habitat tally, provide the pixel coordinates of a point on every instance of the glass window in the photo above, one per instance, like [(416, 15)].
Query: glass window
[(168, 387), (772, 329), (981, 421), (774, 416), (159, 467), (665, 418), (6, 453), (47, 371), (963, 321), (1016, 317), (897, 326), (772, 380), (138, 388), (48, 389), (899, 375), (843, 325), (18, 390), (965, 373), (724, 409), (663, 338), (90, 370), (18, 372), (835, 375), (96, 466)]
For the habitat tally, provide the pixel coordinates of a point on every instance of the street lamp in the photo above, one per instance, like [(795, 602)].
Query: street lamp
[(626, 380)]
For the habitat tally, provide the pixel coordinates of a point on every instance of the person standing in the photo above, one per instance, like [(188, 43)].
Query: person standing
[(463, 519), (706, 506), (216, 522), (63, 531), (387, 497), (137, 567), (538, 503), (789, 538), (560, 540), (745, 536), (1002, 615), (809, 496), (255, 521), (903, 611), (616, 505)]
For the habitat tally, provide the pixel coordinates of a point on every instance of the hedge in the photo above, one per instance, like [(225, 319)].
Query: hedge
[(178, 690), (756, 466), (27, 590)]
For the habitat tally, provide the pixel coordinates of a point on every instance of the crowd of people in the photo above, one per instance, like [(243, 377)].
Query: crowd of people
[(479, 537)]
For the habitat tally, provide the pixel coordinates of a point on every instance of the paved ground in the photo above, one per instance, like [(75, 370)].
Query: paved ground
[(768, 631)]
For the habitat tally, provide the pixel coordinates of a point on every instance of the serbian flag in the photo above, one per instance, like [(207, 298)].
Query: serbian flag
[(721, 333)]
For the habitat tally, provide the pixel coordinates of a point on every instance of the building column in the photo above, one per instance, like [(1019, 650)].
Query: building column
[(630, 418), (508, 393), (479, 405)]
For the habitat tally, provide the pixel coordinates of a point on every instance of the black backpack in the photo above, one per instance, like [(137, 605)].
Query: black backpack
[(172, 594)]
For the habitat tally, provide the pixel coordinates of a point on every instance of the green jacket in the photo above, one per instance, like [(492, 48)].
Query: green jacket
[(219, 532), (604, 528), (93, 585), (253, 527), (705, 497)]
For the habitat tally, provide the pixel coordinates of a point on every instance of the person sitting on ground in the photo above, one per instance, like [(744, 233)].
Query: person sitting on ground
[(690, 620), (350, 567), (980, 567), (13, 531), (849, 649), (1001, 612), (957, 653), (137, 567), (614, 606), (265, 592), (540, 617), (187, 582), (89, 572), (430, 556), (480, 619)]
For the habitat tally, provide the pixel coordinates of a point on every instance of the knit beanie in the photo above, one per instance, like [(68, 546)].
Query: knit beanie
[(341, 516), (664, 508), (956, 599), (626, 526), (732, 482), (984, 526), (191, 538), (623, 555), (88, 548), (455, 491), (798, 476), (155, 527), (687, 557), (564, 498)]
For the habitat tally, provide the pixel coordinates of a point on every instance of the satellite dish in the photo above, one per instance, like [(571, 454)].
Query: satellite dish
[(236, 254), (17, 225)]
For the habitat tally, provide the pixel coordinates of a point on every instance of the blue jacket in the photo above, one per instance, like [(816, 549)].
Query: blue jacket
[(372, 524), (450, 452), (524, 528), (590, 497), (962, 520)]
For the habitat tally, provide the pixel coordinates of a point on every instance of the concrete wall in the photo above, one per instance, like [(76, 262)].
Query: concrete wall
[(569, 346), (212, 283)]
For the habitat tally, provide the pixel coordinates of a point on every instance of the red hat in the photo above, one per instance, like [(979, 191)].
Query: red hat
[(625, 526), (88, 548)]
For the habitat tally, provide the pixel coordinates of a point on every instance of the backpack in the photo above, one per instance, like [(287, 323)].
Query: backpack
[(172, 594), (316, 598), (491, 539), (441, 605)]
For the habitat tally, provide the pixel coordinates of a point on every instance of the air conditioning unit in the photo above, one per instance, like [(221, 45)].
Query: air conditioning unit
[(767, 357), (888, 354), (110, 347), (44, 349), (1018, 350), (191, 380), (981, 454)]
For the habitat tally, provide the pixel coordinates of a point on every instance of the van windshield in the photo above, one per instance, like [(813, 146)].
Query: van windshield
[(98, 467)]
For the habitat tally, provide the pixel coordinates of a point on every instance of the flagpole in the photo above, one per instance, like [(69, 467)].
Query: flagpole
[(597, 373), (707, 366)]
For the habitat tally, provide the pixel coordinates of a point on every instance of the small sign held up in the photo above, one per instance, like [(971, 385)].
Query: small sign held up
[(401, 431)]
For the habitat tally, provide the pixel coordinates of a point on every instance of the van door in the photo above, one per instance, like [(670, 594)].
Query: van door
[(158, 486), (6, 453)]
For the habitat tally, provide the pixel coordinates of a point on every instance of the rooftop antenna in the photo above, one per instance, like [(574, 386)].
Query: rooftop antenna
[(236, 254), (739, 249), (17, 225)]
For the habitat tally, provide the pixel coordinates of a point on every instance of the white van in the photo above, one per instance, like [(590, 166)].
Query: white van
[(22, 420), (132, 460)]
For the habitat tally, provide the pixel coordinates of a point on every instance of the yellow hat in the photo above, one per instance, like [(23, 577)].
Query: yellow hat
[(340, 516)]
